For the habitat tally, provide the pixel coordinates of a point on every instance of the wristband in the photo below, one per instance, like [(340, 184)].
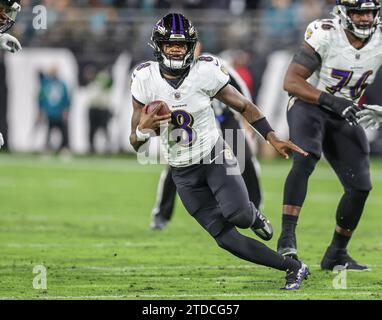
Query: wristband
[(142, 136), (262, 126), (326, 99), (333, 102)]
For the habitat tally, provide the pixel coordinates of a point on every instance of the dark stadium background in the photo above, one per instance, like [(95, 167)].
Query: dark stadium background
[(85, 37)]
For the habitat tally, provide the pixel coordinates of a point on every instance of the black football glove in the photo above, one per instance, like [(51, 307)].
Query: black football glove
[(345, 108)]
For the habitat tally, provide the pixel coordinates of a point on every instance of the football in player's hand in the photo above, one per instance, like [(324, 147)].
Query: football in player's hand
[(163, 107)]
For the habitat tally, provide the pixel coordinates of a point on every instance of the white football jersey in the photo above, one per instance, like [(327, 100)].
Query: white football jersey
[(345, 71), (193, 131)]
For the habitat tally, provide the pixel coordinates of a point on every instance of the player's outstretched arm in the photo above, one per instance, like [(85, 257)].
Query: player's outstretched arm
[(9, 43), (283, 147), (233, 98), (142, 124)]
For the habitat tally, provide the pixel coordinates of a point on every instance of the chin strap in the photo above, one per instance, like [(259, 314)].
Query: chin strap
[(172, 72)]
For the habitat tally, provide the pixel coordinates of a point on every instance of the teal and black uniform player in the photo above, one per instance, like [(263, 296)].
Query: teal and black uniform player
[(54, 103)]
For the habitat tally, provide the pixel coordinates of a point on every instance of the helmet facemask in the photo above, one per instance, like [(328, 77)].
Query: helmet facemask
[(346, 7), (175, 63)]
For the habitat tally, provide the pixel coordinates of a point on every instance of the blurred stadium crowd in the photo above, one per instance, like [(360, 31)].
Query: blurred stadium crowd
[(258, 37), (126, 23)]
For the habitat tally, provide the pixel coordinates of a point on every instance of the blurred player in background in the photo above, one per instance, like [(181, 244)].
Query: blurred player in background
[(203, 167), (326, 78), (227, 120), (8, 12), (54, 103), (100, 109)]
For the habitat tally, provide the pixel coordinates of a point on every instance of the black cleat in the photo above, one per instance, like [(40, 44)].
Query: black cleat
[(339, 257), (295, 278), (286, 245), (158, 223), (262, 227)]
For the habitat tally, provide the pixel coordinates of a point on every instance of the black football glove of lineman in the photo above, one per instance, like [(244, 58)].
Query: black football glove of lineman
[(345, 108)]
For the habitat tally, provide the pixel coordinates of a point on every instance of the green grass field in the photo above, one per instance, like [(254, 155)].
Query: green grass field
[(87, 221)]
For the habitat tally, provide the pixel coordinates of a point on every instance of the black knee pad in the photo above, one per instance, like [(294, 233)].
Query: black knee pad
[(350, 208), (296, 183), (244, 217), (356, 180), (304, 166)]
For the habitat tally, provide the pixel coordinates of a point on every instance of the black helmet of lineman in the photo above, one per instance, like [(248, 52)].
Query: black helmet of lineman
[(8, 12), (345, 7), (174, 27)]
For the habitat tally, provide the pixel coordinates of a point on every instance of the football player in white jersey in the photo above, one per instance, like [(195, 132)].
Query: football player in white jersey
[(229, 123), (8, 12), (326, 78), (203, 168)]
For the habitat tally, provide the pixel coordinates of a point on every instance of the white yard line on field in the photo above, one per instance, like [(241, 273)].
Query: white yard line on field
[(169, 268), (182, 267), (81, 245), (322, 197), (336, 294), (111, 165), (127, 165), (166, 267)]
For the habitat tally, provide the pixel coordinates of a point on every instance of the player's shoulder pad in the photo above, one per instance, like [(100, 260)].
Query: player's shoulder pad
[(321, 30), (209, 63), (143, 70)]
